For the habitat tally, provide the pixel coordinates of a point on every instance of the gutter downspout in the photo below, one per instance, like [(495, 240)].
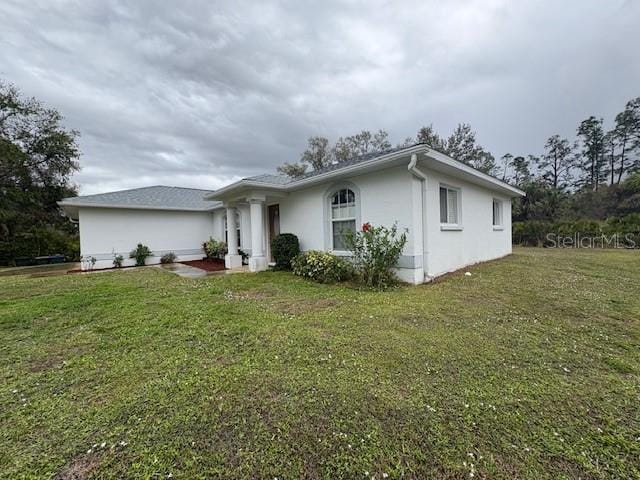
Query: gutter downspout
[(413, 168)]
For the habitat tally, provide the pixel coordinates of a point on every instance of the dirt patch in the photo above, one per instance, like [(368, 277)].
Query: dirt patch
[(247, 295), (206, 264), (45, 363), (273, 299), (301, 306), (80, 468)]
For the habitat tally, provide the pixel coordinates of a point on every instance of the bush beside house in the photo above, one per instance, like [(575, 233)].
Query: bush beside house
[(214, 249), (321, 267), (284, 248), (168, 258), (117, 261), (375, 252), (140, 253)]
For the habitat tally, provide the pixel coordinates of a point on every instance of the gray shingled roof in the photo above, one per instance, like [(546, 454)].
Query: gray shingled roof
[(352, 161), (284, 180), (280, 180), (271, 179), (151, 197)]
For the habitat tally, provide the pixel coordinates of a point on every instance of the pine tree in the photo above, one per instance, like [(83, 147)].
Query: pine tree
[(591, 134), (557, 162)]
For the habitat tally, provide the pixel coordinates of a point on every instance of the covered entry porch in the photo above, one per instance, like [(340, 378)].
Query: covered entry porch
[(263, 210)]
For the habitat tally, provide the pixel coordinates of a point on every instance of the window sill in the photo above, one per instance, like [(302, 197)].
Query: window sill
[(341, 253), (451, 228), (498, 228)]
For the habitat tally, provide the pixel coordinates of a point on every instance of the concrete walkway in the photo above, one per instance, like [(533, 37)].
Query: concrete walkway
[(183, 270)]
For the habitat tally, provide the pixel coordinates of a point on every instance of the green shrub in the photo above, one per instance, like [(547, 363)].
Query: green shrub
[(536, 233), (284, 248), (88, 262), (117, 261), (531, 233), (168, 258), (214, 248), (140, 253), (321, 266), (376, 251)]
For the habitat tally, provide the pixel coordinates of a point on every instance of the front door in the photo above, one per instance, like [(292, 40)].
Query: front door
[(274, 224)]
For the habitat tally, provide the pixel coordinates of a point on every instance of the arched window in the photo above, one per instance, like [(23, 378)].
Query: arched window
[(226, 234), (342, 217)]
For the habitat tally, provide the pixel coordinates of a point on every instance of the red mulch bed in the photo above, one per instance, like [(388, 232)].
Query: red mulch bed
[(206, 264)]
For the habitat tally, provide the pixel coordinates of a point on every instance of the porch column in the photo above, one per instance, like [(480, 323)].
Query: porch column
[(232, 259), (257, 261)]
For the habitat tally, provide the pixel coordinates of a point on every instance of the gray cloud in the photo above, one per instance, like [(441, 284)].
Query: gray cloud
[(199, 94)]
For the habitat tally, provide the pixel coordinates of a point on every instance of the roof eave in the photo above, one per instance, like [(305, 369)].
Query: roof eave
[(220, 193), (64, 204), (301, 183), (498, 184)]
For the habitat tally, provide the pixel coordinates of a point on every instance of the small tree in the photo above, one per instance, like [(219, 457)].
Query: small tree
[(376, 250), (284, 248), (140, 253)]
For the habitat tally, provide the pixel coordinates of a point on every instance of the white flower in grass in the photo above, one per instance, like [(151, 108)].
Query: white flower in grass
[(385, 475)]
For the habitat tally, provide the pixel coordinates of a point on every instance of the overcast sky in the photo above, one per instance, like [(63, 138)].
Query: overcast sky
[(196, 94)]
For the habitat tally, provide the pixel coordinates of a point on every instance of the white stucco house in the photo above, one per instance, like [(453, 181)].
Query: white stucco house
[(455, 215)]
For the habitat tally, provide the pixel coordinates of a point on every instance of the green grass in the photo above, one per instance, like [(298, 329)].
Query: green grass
[(530, 368)]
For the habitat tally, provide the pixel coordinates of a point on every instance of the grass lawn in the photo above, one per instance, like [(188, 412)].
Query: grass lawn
[(530, 368)]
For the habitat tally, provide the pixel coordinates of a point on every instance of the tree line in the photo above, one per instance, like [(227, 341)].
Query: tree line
[(37, 157), (594, 158), (593, 176), (461, 145)]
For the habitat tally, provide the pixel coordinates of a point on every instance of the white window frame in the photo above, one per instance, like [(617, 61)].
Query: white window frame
[(333, 221), (328, 217), (457, 226), (500, 220)]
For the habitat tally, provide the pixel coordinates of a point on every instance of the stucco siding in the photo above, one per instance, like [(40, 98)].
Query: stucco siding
[(105, 231), (448, 250), (383, 199), (394, 195)]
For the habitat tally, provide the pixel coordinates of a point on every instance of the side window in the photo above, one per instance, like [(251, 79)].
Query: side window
[(497, 213), (449, 206), (343, 217)]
